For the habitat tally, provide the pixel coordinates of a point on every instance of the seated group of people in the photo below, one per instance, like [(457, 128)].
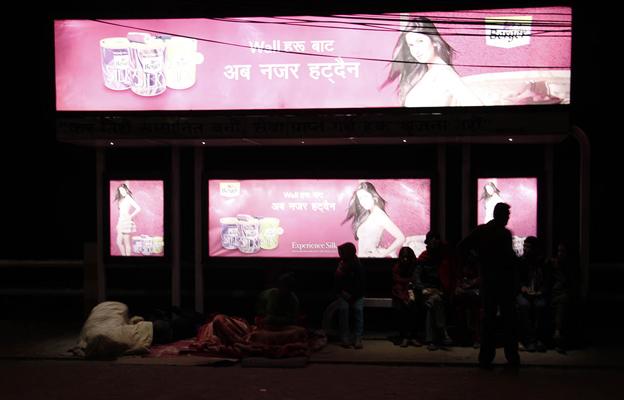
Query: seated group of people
[(547, 287), (420, 288), (437, 284)]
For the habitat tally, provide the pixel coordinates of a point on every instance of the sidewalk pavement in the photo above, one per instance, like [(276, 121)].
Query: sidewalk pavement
[(30, 340)]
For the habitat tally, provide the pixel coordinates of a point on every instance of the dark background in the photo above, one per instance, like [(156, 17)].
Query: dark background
[(48, 188)]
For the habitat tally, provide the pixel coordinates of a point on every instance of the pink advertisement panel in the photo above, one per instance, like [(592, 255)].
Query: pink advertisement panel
[(429, 59), (310, 218), (520, 194), (136, 218)]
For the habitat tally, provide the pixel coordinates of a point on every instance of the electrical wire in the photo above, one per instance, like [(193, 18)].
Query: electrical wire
[(288, 21)]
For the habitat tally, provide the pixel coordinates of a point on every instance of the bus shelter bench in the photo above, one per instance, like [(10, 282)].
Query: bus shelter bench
[(378, 302)]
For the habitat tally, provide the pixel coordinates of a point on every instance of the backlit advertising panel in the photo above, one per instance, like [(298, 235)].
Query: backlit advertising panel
[(426, 59)]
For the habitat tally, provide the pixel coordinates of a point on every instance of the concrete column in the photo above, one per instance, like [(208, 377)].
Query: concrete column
[(100, 162), (441, 175), (175, 226), (199, 220), (584, 207), (548, 204), (466, 192)]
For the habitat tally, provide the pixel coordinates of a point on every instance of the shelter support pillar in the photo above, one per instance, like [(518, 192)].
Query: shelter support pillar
[(175, 226), (100, 275), (584, 208), (466, 193), (441, 212), (199, 267), (549, 195)]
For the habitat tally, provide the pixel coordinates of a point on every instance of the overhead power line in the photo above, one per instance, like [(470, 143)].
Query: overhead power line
[(563, 30)]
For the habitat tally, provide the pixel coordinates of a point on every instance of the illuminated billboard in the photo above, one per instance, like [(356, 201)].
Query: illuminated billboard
[(520, 194), (428, 59), (136, 218), (310, 218)]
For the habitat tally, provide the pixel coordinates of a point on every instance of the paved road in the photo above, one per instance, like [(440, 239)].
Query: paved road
[(106, 380)]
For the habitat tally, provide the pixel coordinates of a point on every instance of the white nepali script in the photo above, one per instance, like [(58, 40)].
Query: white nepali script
[(322, 46), (234, 72), (337, 68), (280, 71), (294, 45)]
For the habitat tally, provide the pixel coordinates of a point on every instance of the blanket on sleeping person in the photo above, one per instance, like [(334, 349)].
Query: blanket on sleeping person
[(233, 337)]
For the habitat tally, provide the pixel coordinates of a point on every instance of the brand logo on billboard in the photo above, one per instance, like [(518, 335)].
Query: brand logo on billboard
[(508, 32), (229, 189)]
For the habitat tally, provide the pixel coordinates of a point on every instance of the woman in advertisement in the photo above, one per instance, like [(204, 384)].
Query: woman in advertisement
[(422, 63), (125, 222), (490, 197), (369, 221)]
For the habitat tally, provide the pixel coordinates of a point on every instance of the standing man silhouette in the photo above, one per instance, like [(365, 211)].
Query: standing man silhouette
[(491, 243)]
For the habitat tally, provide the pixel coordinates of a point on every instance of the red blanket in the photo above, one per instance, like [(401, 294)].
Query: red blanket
[(233, 337)]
